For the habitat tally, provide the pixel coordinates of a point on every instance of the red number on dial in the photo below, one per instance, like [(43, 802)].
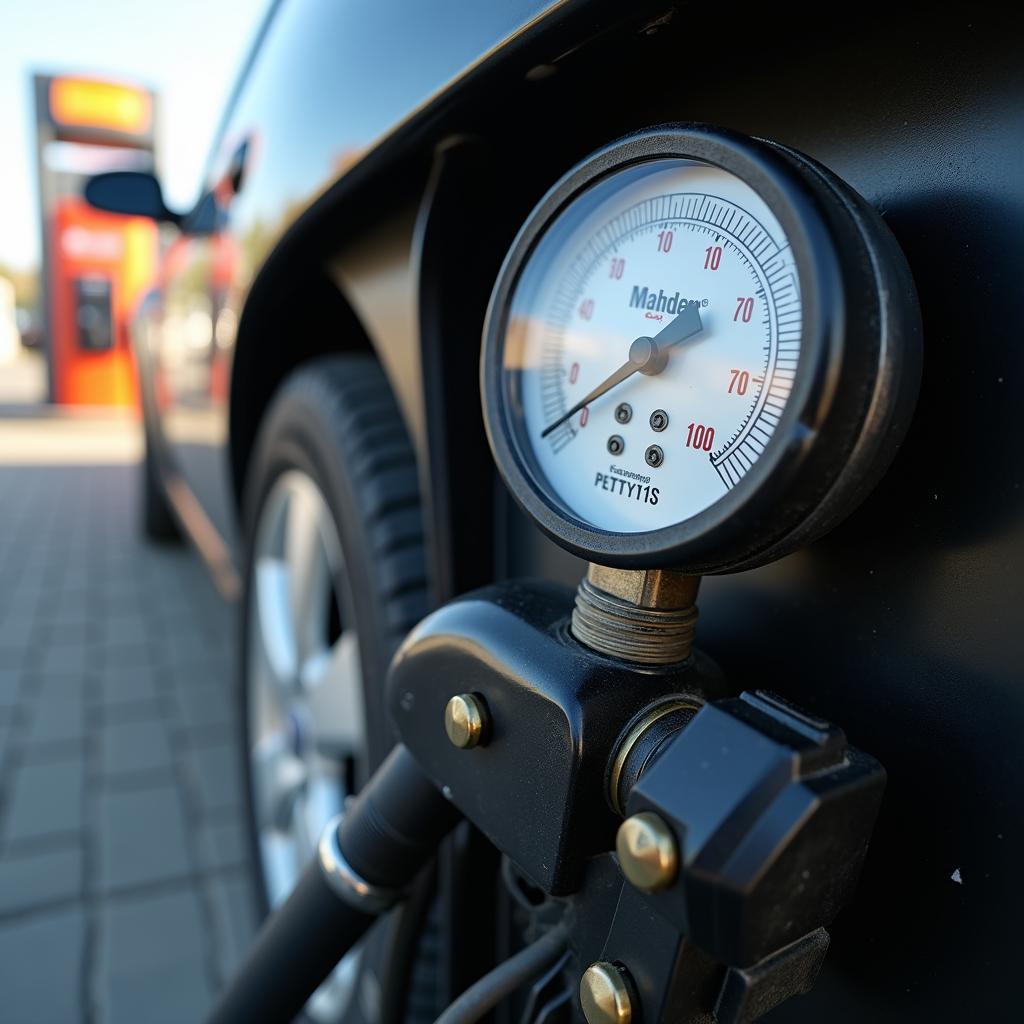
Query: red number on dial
[(699, 436), (744, 310)]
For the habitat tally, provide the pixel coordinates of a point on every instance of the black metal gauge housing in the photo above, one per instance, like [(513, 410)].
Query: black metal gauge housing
[(755, 330)]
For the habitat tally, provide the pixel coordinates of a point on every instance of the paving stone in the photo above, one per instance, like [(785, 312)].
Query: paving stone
[(73, 595), (170, 993), (204, 668), (127, 684), (10, 688), (142, 837), (16, 630), (11, 658), (113, 652), (223, 843), (40, 968), (232, 902), (205, 705), (80, 634), (188, 655), (60, 686), (216, 773), (121, 628), (55, 720), (41, 877), (131, 653), (72, 659), (122, 601), (132, 711), (51, 625), (78, 576), (47, 752), (46, 800), (135, 747), (143, 931), (151, 958)]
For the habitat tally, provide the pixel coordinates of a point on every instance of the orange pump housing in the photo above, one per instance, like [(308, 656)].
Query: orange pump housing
[(117, 257), (97, 265)]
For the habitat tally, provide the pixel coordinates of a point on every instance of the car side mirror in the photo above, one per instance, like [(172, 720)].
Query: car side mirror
[(203, 218), (136, 193)]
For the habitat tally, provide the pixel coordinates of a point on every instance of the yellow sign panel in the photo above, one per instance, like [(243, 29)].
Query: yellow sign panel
[(88, 103)]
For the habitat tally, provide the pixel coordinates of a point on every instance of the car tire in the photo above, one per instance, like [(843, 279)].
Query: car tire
[(157, 518), (332, 444)]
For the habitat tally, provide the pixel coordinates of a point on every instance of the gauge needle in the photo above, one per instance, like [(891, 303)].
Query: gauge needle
[(680, 328), (646, 355)]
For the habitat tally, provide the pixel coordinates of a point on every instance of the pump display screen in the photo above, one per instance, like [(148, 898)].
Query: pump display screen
[(94, 314)]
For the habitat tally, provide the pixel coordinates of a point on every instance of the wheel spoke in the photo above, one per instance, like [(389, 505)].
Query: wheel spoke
[(332, 682), (274, 620), (308, 571), (281, 777)]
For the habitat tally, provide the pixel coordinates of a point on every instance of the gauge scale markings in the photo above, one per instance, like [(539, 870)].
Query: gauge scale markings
[(620, 275), (586, 264)]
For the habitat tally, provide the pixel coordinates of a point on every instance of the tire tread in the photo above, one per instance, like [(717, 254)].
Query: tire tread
[(358, 403)]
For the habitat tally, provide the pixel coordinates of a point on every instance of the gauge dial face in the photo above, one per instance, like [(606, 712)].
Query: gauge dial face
[(652, 343)]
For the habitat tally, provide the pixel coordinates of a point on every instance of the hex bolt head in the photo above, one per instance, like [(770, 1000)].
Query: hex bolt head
[(659, 420), (647, 851), (623, 412), (616, 445), (654, 456), (465, 718), (604, 995)]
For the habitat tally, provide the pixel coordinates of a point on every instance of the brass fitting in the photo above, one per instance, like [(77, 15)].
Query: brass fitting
[(647, 851), (465, 719), (642, 615), (604, 995)]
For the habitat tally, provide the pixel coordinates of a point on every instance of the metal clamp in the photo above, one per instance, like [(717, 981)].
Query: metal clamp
[(345, 880)]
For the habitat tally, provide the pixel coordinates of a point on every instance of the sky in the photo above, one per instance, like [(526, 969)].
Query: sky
[(190, 51)]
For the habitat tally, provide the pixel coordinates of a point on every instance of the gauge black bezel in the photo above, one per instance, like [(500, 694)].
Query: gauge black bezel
[(851, 388)]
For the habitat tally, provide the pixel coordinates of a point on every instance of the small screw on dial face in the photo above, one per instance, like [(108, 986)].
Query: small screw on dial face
[(659, 420), (654, 456), (623, 412), (616, 445)]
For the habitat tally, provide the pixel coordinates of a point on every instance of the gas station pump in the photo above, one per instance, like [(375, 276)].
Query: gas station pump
[(95, 265)]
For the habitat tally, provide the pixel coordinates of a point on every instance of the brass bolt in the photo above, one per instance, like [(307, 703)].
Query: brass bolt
[(464, 720), (647, 852), (604, 996)]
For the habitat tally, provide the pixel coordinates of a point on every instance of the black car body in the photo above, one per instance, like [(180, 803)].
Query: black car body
[(372, 169)]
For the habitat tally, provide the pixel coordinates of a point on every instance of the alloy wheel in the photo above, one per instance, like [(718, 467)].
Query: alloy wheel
[(307, 720)]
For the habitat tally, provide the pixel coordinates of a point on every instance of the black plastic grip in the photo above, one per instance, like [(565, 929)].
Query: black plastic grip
[(293, 953), (396, 822), (387, 837)]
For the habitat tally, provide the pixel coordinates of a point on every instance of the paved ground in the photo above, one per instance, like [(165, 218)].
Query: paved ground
[(124, 879)]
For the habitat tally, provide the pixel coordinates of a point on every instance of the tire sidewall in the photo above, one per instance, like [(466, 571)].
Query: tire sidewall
[(300, 433), (294, 438)]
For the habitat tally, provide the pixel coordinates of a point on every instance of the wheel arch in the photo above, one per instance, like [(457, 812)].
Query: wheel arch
[(289, 318)]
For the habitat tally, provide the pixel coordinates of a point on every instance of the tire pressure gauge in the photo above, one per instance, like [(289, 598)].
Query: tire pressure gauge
[(701, 352)]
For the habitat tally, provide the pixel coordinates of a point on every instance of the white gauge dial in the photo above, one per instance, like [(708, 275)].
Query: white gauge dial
[(666, 300)]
